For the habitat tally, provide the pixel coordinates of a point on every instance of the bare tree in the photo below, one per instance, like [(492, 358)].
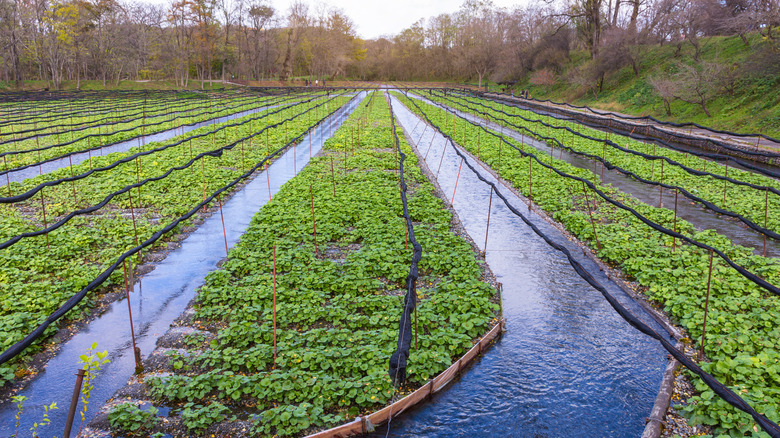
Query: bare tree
[(666, 89), (696, 84)]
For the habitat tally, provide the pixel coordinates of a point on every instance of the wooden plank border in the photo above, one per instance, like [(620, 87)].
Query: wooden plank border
[(359, 425)]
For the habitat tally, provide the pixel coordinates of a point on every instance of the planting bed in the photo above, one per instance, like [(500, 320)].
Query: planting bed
[(338, 295), (705, 181), (70, 136), (76, 230)]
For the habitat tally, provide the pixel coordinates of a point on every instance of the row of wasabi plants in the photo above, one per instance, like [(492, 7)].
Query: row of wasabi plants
[(81, 138), (339, 297), (743, 324), (39, 273), (745, 201)]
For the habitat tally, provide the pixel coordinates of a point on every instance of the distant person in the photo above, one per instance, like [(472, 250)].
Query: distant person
[(316, 82)]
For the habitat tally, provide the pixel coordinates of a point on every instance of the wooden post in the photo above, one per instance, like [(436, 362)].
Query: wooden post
[(706, 309)]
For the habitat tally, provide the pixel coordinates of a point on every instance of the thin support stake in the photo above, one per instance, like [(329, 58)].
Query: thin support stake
[(313, 222), (74, 401), (274, 272), (590, 213), (136, 351), (43, 207), (433, 135), (661, 202), (442, 158), (72, 182), (222, 216), (333, 175), (674, 228), (706, 309), (268, 179), (7, 178), (766, 210), (530, 182), (725, 180), (456, 182), (132, 214), (487, 227)]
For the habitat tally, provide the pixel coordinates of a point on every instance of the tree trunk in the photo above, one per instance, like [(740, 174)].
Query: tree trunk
[(634, 17), (15, 56), (287, 64), (615, 17)]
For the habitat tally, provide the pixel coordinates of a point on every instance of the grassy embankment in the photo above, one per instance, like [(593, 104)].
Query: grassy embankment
[(753, 106)]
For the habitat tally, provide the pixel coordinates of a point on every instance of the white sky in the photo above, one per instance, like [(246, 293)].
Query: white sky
[(374, 18)]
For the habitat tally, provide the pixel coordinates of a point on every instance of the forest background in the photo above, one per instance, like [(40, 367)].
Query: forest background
[(710, 61)]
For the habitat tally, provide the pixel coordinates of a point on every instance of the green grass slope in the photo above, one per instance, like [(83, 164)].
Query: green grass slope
[(751, 106)]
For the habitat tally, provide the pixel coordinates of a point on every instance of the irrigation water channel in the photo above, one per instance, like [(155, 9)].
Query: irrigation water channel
[(160, 296), (567, 365), (702, 134), (701, 217), (51, 166)]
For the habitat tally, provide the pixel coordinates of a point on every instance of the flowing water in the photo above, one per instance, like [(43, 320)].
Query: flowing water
[(567, 365)]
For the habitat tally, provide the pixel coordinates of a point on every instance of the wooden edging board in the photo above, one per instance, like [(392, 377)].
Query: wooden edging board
[(359, 425)]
